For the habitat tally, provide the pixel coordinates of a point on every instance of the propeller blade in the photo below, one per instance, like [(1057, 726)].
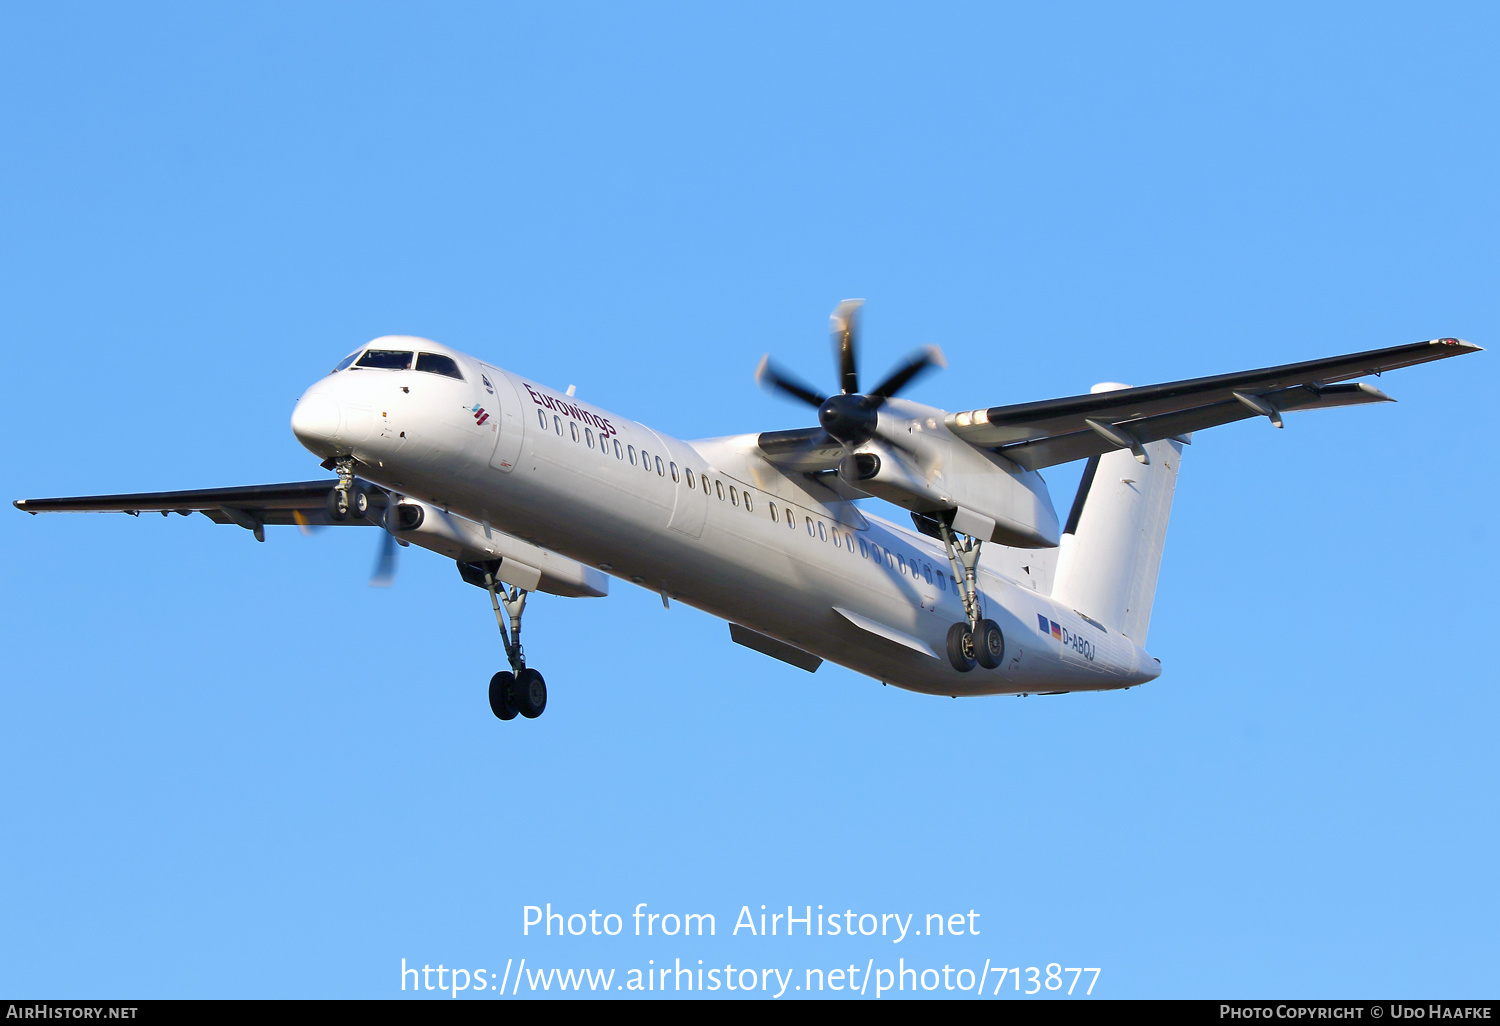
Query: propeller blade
[(845, 327), (768, 376), (918, 363), (385, 562), (306, 526)]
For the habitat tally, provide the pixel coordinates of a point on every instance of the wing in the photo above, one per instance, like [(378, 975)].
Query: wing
[(250, 506), (1053, 431), (801, 450), (305, 503)]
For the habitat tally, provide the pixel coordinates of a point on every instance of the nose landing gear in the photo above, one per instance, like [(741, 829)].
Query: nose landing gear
[(519, 689), (347, 499)]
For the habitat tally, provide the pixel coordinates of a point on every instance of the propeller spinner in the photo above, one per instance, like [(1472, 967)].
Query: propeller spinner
[(850, 416)]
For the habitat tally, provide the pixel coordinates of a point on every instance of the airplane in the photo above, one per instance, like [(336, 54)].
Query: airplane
[(530, 489)]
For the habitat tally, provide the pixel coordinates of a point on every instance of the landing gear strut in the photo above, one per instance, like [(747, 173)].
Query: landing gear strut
[(519, 689), (979, 640), (347, 499)]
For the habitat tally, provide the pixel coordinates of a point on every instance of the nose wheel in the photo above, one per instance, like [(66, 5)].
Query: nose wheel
[(521, 689), (346, 499)]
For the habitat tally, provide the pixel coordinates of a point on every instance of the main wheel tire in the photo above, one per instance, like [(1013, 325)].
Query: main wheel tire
[(337, 505), (531, 693), (961, 647), (502, 695), (359, 502), (989, 644)]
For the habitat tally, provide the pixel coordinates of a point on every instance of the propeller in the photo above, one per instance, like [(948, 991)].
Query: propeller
[(850, 416), (384, 573), (390, 521), (385, 561), (306, 525)]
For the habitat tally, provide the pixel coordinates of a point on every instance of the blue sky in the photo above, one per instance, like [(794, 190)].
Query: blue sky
[(234, 770)]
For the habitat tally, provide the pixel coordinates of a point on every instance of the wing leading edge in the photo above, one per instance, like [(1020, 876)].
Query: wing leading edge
[(1042, 434)]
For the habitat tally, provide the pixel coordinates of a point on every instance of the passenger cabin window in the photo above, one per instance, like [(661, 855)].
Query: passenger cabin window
[(748, 508), (689, 472), (822, 534), (574, 426), (864, 550), (773, 512), (719, 485), (588, 437), (541, 418), (734, 496), (385, 359), (630, 451), (437, 363), (661, 471), (619, 453), (557, 423), (674, 472)]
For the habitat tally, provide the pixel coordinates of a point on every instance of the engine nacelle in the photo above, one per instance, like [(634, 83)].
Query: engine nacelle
[(403, 516), (884, 474), (979, 493), (520, 563)]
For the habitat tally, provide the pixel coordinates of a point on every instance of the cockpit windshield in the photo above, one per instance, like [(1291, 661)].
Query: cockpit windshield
[(396, 359), (437, 363), (384, 359)]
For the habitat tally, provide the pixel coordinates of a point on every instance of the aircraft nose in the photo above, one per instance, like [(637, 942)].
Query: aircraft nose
[(315, 422)]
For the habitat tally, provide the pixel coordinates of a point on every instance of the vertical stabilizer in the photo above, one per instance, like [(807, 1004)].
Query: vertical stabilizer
[(1111, 547)]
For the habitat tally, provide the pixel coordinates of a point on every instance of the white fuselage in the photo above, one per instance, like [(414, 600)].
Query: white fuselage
[(693, 521)]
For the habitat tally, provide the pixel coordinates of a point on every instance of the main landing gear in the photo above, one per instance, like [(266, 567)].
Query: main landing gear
[(519, 689), (977, 641)]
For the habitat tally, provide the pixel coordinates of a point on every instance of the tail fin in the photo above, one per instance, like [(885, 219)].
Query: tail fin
[(1111, 547)]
